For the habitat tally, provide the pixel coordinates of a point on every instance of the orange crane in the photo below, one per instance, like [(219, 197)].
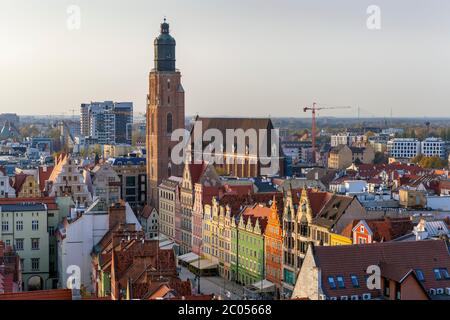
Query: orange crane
[(315, 108)]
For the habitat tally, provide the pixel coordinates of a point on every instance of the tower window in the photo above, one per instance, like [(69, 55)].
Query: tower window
[(168, 84), (168, 99), (169, 123), (153, 123)]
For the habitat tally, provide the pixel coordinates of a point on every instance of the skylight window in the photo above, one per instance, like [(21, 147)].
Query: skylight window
[(355, 281), (331, 283), (340, 281), (420, 275)]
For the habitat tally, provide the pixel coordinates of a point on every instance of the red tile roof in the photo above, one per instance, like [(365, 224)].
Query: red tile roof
[(196, 170), (49, 201), (345, 261), (56, 294), (44, 174), (146, 211), (383, 229), (19, 180)]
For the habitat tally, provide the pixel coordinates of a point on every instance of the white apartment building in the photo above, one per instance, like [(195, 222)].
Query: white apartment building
[(77, 238), (24, 226), (347, 139), (408, 148), (433, 147), (403, 148)]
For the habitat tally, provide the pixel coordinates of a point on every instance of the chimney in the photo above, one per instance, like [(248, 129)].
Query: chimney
[(420, 230), (117, 214)]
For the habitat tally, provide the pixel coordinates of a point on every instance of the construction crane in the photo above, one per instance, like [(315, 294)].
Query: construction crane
[(315, 108)]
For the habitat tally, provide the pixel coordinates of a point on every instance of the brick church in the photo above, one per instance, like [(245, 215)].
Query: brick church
[(166, 113)]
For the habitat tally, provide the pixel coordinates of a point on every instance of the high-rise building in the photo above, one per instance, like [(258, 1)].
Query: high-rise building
[(165, 113), (107, 122), (124, 122)]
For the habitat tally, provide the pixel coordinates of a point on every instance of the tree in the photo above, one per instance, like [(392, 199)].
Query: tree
[(417, 158), (432, 162), (380, 158)]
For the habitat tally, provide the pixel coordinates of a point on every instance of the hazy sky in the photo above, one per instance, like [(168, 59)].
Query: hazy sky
[(237, 57)]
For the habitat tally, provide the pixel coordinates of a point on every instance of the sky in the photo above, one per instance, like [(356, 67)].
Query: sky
[(249, 58)]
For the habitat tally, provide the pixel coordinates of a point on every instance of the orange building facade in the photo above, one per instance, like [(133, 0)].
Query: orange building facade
[(274, 247)]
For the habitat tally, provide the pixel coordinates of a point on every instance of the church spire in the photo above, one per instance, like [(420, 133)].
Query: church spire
[(165, 49)]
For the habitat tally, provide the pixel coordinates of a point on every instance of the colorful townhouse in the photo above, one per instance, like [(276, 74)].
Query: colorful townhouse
[(273, 241), (193, 173), (217, 225), (203, 195), (247, 244)]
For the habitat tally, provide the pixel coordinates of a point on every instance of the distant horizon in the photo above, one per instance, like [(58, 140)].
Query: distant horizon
[(77, 116), (234, 60)]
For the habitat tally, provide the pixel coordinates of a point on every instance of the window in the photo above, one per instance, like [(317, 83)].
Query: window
[(441, 274), (35, 225), (51, 231), (355, 282), (420, 275), (169, 123), (5, 226), (19, 225), (35, 264), (331, 283), (35, 244), (445, 274), (437, 274), (19, 244), (340, 281)]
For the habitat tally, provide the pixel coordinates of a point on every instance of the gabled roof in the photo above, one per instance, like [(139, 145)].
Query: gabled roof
[(196, 170), (146, 211), (332, 211), (19, 180), (44, 174)]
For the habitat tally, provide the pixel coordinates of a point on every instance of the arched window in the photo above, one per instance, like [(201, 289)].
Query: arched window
[(169, 123)]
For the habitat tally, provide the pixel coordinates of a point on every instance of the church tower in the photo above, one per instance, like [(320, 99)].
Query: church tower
[(165, 113)]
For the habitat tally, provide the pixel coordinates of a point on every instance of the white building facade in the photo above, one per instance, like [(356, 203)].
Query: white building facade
[(433, 147), (403, 148)]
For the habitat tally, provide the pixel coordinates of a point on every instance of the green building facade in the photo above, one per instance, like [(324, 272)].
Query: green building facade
[(247, 250)]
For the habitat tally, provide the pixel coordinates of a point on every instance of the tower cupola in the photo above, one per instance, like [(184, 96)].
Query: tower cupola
[(165, 49)]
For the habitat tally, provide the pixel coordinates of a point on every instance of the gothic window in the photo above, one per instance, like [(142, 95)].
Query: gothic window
[(169, 123), (168, 84), (168, 99)]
